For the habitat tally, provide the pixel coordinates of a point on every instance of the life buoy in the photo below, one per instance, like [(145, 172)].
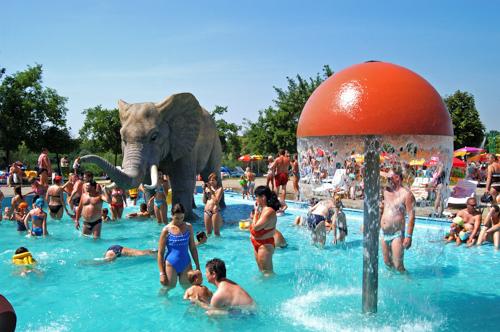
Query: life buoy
[(244, 224), (24, 258), (8, 319)]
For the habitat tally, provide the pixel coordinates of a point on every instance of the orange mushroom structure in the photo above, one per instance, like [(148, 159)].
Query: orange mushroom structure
[(371, 108)]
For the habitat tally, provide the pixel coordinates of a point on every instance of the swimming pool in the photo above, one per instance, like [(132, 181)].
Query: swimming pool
[(448, 288)]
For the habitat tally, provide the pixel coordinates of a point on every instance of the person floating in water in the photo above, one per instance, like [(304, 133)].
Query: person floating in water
[(23, 257), (116, 251), (197, 291), (142, 214), (38, 219), (229, 295), (398, 202)]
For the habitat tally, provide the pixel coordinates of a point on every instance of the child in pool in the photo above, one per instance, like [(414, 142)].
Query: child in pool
[(197, 291), (104, 214), (457, 232), (6, 213), (142, 214), (244, 187), (201, 238)]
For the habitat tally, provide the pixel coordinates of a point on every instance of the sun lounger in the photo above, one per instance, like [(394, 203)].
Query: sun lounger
[(420, 191), (327, 187), (461, 192)]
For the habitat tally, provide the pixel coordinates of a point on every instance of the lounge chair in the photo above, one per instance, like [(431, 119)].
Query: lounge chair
[(420, 191), (461, 192), (330, 185)]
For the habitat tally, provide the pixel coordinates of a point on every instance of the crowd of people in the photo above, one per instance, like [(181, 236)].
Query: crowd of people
[(178, 244)]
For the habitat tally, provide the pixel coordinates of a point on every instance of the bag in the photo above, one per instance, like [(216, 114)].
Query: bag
[(486, 198)]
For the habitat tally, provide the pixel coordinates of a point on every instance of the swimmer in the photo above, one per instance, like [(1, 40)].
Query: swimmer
[(142, 214), (318, 216), (212, 195), (250, 176), (201, 238), (90, 208), (229, 295), (55, 199), (175, 244), (279, 240), (116, 251), (6, 213), (19, 215), (22, 257), (283, 207), (398, 204), (339, 223), (197, 291), (105, 215), (490, 231), (160, 199), (38, 219), (118, 202)]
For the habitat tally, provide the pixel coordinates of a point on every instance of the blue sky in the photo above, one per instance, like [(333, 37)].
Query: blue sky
[(232, 53)]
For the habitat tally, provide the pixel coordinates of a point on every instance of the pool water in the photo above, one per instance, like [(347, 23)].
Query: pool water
[(447, 288)]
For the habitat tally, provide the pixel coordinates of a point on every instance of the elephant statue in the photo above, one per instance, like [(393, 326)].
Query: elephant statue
[(176, 136)]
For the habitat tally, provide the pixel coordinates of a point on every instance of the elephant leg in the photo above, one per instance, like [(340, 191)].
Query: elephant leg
[(182, 180)]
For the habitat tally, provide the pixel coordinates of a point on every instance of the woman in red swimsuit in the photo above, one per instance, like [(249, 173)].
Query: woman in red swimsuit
[(118, 201), (263, 227)]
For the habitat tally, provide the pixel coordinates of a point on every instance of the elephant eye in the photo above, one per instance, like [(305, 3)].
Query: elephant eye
[(153, 137)]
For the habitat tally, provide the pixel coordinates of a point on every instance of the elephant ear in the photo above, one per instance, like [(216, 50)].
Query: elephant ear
[(183, 114), (123, 110)]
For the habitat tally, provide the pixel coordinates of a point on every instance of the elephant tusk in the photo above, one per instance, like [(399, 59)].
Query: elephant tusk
[(154, 178)]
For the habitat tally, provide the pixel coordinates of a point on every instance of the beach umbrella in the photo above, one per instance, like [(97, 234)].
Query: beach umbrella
[(466, 151), (257, 157), (245, 158), (417, 162), (432, 162), (458, 163)]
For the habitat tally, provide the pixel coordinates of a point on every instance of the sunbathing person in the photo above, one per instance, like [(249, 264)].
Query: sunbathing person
[(142, 214), (491, 229), (398, 204), (116, 251), (472, 221), (197, 292)]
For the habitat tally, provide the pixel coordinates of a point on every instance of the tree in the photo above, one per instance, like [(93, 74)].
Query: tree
[(101, 130), (26, 107), (493, 141), (58, 141), (276, 127), (228, 133), (467, 126)]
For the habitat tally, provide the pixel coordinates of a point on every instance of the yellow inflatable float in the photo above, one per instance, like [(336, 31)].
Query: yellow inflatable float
[(244, 224), (24, 258)]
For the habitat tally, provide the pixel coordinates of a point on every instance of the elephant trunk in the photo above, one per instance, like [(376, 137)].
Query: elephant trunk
[(128, 179)]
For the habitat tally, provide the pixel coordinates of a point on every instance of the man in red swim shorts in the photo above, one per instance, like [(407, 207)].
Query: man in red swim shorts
[(281, 164)]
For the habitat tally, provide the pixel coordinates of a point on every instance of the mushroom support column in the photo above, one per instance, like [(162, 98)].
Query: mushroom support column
[(371, 224)]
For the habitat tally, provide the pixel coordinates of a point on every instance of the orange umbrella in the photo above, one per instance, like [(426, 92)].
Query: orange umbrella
[(245, 158)]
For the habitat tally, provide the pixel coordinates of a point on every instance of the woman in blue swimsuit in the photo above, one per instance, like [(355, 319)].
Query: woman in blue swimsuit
[(176, 241)]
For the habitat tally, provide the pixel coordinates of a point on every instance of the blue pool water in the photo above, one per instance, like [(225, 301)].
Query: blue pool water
[(447, 289)]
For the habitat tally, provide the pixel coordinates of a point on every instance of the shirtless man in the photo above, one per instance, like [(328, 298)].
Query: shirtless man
[(90, 208), (44, 167), (397, 202), (472, 220), (493, 173), (281, 165), (68, 187), (296, 176), (250, 176), (16, 174), (229, 295), (55, 199)]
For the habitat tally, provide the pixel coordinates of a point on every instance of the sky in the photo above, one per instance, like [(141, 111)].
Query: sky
[(232, 53)]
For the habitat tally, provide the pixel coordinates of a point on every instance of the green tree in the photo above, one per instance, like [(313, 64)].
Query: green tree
[(26, 107), (101, 130), (493, 141), (59, 141), (276, 126), (228, 133), (467, 126)]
